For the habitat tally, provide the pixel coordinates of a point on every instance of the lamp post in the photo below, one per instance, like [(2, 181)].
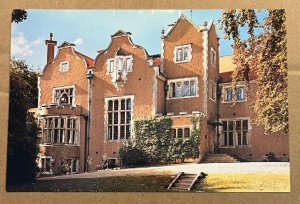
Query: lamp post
[(89, 76)]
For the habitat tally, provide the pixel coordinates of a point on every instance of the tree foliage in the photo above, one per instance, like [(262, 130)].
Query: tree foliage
[(18, 15), (264, 53), (22, 128)]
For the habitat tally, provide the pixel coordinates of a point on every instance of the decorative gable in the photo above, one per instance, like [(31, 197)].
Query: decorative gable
[(119, 67)]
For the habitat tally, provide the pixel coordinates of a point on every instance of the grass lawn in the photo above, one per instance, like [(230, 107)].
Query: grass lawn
[(259, 182), (106, 184)]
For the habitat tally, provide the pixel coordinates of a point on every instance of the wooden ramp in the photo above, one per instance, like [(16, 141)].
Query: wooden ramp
[(186, 182)]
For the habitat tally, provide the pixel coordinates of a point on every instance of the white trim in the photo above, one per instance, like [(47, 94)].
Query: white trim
[(64, 69), (51, 160), (223, 94), (39, 91), (106, 99), (212, 83), (183, 133), (213, 60), (234, 132), (189, 54), (65, 128), (162, 53), (65, 87), (210, 23), (154, 90), (205, 68), (182, 80)]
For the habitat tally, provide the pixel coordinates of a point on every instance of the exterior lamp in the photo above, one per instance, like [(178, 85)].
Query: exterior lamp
[(90, 74)]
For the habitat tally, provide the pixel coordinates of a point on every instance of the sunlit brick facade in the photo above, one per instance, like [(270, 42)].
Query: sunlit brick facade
[(87, 106)]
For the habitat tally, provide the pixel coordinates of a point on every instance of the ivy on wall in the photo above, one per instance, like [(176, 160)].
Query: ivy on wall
[(153, 142)]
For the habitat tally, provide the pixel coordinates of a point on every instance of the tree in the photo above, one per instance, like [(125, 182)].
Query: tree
[(18, 15), (264, 53), (22, 127)]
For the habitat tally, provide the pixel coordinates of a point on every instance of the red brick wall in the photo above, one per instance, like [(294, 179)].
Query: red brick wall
[(184, 33), (260, 144), (139, 84)]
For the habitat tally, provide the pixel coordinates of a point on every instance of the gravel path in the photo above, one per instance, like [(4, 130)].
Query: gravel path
[(209, 168)]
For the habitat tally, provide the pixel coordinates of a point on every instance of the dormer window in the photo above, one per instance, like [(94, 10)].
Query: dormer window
[(64, 95), (183, 53), (64, 66), (120, 63)]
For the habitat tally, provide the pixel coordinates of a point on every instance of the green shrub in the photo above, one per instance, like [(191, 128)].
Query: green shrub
[(132, 156)]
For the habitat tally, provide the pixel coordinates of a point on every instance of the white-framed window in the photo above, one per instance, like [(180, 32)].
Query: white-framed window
[(235, 132), (229, 93), (64, 66), (213, 57), (183, 53), (118, 118), (74, 165), (60, 130), (240, 93), (181, 132), (64, 95), (182, 88), (46, 165), (120, 63), (212, 91)]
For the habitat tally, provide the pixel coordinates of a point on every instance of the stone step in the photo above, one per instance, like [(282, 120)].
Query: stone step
[(220, 158)]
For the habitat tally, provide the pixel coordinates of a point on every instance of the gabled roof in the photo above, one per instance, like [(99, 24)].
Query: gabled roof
[(66, 44), (90, 62), (120, 32), (198, 28)]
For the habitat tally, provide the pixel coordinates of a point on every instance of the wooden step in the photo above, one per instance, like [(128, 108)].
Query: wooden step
[(179, 188), (185, 182)]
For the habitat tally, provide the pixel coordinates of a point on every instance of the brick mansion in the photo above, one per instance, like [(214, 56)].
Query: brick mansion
[(87, 106)]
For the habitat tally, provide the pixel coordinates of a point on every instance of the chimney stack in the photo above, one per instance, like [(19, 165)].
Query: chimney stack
[(50, 48)]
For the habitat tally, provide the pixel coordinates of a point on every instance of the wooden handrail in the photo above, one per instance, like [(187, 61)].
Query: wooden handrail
[(202, 175), (175, 179)]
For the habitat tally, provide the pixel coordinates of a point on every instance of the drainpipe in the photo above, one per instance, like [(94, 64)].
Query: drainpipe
[(218, 111), (89, 76), (166, 89)]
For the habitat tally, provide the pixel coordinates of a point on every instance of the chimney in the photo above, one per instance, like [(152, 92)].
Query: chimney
[(50, 48)]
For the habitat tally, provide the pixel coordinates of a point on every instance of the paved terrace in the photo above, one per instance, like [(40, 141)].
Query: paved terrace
[(209, 168)]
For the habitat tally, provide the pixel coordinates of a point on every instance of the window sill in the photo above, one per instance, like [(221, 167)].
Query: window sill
[(116, 141), (239, 101), (183, 97), (183, 61), (54, 144)]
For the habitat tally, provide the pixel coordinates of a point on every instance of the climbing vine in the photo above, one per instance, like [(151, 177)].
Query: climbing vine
[(153, 142)]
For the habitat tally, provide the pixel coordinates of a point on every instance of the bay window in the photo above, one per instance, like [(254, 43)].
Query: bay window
[(60, 130)]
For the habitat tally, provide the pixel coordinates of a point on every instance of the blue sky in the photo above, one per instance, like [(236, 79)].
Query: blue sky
[(90, 30)]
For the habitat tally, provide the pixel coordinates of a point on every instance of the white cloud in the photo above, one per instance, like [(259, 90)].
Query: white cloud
[(20, 46), (78, 41), (37, 41)]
